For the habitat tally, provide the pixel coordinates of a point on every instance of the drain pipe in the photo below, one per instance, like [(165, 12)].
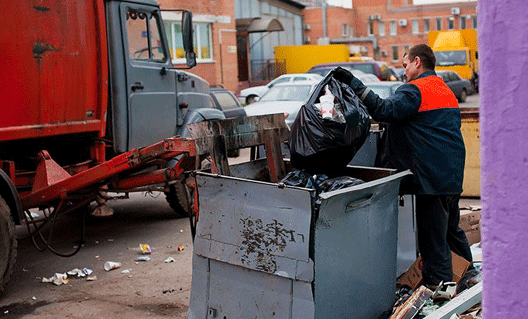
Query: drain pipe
[(325, 34)]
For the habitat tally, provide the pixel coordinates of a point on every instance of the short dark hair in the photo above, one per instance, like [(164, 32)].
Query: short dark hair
[(425, 53)]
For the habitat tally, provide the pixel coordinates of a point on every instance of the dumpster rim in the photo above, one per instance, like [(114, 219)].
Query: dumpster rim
[(366, 185)]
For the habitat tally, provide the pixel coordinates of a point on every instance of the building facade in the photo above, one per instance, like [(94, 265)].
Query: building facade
[(214, 41), (256, 45), (386, 29)]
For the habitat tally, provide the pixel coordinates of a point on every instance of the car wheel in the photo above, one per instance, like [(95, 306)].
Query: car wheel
[(250, 99), (463, 96)]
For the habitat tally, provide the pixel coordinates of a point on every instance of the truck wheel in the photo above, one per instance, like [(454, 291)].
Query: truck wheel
[(463, 96), (179, 198), (8, 244)]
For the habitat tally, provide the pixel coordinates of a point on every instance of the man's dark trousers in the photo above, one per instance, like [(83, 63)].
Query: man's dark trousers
[(437, 218)]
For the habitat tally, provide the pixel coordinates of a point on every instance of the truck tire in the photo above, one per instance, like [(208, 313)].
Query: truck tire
[(8, 244), (179, 198)]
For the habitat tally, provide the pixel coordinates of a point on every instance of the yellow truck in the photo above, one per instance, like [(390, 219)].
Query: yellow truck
[(456, 50), (300, 58)]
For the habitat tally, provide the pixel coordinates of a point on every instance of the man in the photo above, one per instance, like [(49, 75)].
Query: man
[(424, 136)]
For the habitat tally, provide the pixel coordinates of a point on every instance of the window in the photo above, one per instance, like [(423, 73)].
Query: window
[(395, 55), (202, 41), (474, 22), (381, 29), (370, 27), (345, 30), (438, 23), (450, 23), (406, 48), (462, 22), (415, 26), (144, 40), (427, 25), (393, 28)]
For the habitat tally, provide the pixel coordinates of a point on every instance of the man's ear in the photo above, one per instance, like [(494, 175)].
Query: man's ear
[(418, 62)]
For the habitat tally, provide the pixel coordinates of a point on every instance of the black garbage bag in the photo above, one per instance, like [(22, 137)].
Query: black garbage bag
[(326, 146)]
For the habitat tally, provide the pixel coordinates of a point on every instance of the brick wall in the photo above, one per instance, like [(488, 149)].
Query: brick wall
[(224, 68), (358, 17)]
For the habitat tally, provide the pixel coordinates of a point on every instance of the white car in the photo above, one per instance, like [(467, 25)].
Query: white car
[(250, 95), (284, 98)]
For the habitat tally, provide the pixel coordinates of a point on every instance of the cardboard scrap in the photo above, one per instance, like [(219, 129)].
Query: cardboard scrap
[(412, 306), (413, 276), (470, 224)]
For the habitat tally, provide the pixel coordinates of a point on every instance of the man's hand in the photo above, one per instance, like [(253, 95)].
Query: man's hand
[(343, 75)]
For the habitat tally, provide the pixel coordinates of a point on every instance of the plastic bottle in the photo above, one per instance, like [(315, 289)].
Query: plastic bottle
[(327, 104)]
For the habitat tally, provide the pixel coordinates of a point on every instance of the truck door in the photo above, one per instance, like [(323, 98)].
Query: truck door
[(150, 88)]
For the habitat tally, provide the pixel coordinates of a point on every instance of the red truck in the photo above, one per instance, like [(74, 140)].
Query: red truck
[(91, 106)]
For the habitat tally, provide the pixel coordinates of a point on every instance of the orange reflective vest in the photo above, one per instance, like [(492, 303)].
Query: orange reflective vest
[(435, 94)]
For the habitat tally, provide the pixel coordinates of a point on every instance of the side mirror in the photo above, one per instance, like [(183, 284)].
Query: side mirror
[(187, 32)]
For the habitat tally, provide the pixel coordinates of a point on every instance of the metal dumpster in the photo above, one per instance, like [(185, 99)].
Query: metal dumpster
[(263, 251)]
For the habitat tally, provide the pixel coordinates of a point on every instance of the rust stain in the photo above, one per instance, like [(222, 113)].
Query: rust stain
[(262, 241), (39, 48), (41, 9)]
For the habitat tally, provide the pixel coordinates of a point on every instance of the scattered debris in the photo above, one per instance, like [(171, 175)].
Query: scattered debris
[(445, 291), (91, 278), (413, 305), (126, 271), (57, 279), (109, 265), (169, 260), (110, 239), (145, 249), (143, 258), (80, 273), (181, 230), (181, 248), (34, 298)]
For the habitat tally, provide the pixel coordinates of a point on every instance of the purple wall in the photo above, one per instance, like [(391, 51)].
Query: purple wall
[(503, 58)]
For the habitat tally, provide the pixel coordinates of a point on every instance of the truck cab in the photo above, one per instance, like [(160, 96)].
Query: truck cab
[(150, 100), (456, 50)]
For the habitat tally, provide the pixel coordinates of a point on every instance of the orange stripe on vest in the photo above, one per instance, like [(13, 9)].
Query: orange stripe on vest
[(435, 94)]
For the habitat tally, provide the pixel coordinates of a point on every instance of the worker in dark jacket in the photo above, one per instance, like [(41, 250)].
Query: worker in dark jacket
[(424, 136)]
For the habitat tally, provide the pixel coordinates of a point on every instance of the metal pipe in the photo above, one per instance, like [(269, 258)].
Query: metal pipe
[(325, 33)]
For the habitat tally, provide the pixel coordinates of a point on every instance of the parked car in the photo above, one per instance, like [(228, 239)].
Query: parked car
[(286, 98), (364, 77), (250, 95), (384, 89), (398, 73), (378, 68), (460, 87), (225, 101)]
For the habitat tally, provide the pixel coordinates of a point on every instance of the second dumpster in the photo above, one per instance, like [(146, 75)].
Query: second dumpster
[(265, 250)]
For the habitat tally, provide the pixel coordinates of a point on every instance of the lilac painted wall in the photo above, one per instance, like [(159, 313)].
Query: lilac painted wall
[(503, 58)]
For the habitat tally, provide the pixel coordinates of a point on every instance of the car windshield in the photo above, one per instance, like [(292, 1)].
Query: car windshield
[(320, 71), (383, 91), (445, 58), (226, 100), (367, 68), (287, 93)]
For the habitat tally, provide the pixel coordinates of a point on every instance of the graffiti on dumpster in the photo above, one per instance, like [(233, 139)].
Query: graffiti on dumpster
[(262, 241)]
